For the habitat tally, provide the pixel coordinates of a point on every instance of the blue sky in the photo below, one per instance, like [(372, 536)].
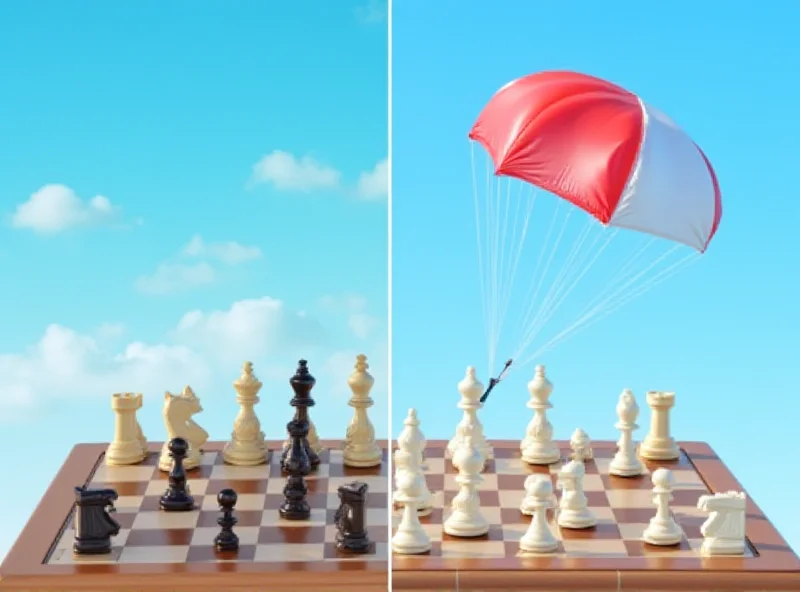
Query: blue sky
[(722, 333), (184, 187)]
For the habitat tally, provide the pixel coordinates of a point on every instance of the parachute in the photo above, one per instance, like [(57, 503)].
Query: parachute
[(602, 152)]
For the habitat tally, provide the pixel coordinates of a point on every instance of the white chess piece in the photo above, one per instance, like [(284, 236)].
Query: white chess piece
[(471, 390), (662, 530), (724, 530), (581, 445), (178, 412), (465, 519), (246, 447), (409, 442), (529, 500), (410, 537), (538, 447), (139, 433), (360, 448), (625, 462), (538, 538), (573, 511), (659, 444), (126, 447)]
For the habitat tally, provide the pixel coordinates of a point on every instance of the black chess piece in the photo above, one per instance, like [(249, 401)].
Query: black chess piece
[(227, 540), (350, 519), (177, 497), (302, 382), (296, 464), (94, 527)]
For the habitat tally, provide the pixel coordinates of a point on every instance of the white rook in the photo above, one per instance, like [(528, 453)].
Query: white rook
[(659, 444)]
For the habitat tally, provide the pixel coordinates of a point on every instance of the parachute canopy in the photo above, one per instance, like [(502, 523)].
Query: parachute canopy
[(603, 149)]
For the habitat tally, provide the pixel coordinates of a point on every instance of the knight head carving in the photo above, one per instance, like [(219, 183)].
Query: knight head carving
[(184, 405)]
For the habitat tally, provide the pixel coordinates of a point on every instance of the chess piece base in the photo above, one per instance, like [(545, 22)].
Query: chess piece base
[(124, 453), (407, 543), (663, 534), (659, 449), (538, 454), (360, 544), (228, 542), (576, 520), (458, 526), (534, 546), (623, 468), (244, 455), (177, 504), (297, 511), (371, 457), (91, 546), (715, 546)]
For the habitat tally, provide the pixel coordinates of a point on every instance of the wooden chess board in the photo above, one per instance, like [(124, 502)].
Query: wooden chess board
[(173, 551), (610, 556)]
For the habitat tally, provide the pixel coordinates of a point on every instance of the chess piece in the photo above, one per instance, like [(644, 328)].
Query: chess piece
[(538, 538), (297, 465), (581, 445), (573, 510), (139, 433), (178, 410), (465, 519), (658, 444), (313, 440), (407, 460), (360, 448), (471, 390), (227, 540), (724, 530), (538, 447), (350, 519), (529, 500), (662, 530), (302, 382), (246, 447), (126, 447), (625, 462), (410, 537), (177, 497), (94, 526)]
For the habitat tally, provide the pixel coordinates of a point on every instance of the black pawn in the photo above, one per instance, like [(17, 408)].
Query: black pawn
[(227, 540), (296, 464), (177, 498)]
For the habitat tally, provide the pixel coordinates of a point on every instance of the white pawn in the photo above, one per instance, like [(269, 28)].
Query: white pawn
[(465, 519), (581, 445), (573, 510), (662, 530), (537, 446), (528, 503), (625, 462), (410, 537), (410, 442), (539, 538)]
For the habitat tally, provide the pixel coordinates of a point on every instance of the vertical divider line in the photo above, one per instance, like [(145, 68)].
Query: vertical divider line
[(389, 290)]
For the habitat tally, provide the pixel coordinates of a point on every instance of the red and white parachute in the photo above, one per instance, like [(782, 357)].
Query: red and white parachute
[(604, 151)]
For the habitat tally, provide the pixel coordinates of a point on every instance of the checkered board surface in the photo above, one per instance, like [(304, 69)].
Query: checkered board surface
[(149, 535), (623, 507)]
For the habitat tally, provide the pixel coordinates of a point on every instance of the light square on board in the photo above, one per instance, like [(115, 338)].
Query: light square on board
[(154, 554), (318, 518), (434, 466), (164, 520), (274, 552), (235, 473), (595, 548), (630, 498), (123, 474), (473, 549), (204, 535)]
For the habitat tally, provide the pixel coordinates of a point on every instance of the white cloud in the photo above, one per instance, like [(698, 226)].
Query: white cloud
[(55, 208), (204, 349), (361, 324), (374, 11), (374, 184), (229, 252), (169, 278), (287, 172)]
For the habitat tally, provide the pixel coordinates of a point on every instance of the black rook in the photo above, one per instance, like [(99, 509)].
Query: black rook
[(351, 519)]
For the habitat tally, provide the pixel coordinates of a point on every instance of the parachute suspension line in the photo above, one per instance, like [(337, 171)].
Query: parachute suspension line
[(561, 293), (540, 281), (658, 278), (481, 270), (613, 303)]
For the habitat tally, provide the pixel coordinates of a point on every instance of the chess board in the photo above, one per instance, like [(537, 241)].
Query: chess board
[(610, 556), (173, 551)]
